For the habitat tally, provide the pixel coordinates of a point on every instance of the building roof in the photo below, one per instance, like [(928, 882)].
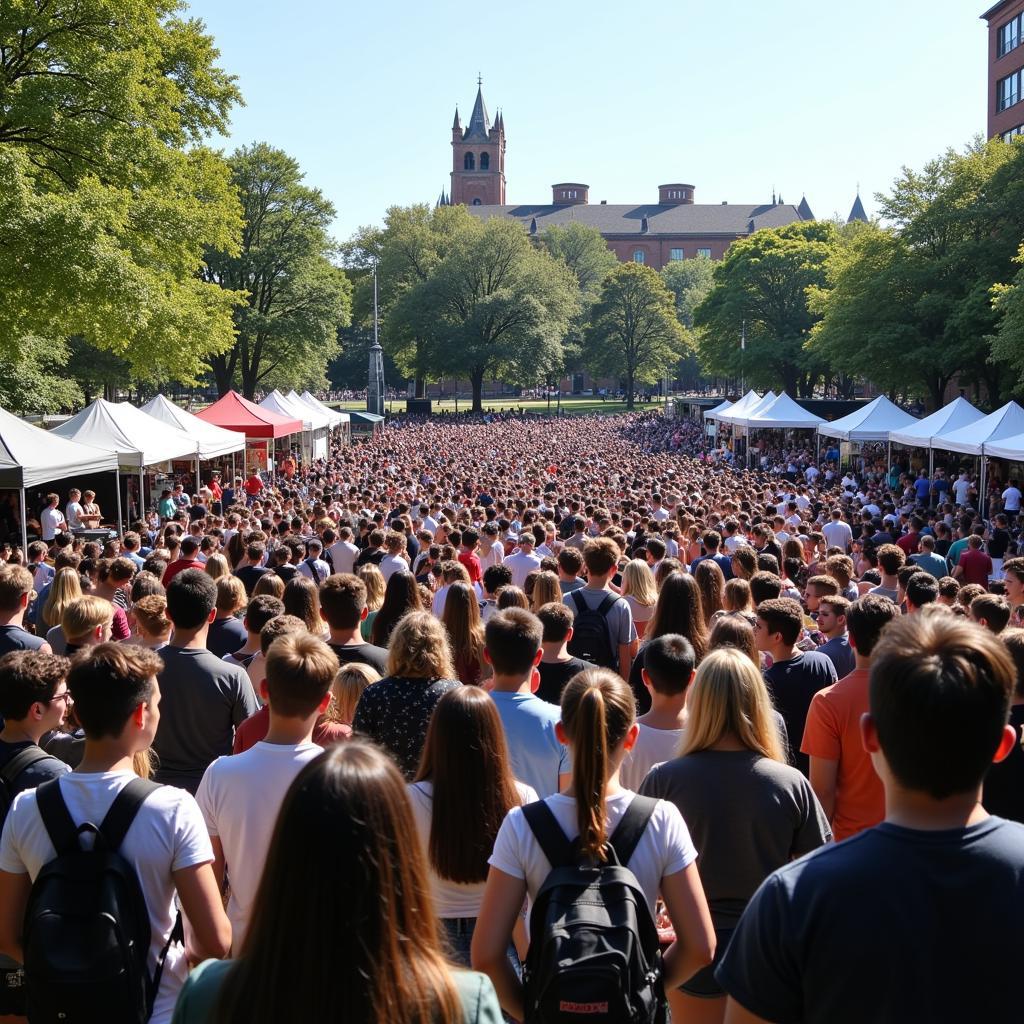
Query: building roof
[(857, 212), (995, 9), (662, 219), (804, 209), (479, 123)]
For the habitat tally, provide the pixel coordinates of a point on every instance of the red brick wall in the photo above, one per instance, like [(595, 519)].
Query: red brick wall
[(487, 186), (657, 251), (1000, 67)]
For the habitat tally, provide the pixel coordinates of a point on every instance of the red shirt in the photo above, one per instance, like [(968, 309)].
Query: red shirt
[(253, 485), (976, 565), (909, 542), (215, 489), (254, 729), (472, 564), (180, 565)]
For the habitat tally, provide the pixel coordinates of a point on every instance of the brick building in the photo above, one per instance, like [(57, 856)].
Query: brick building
[(1005, 92), (674, 227)]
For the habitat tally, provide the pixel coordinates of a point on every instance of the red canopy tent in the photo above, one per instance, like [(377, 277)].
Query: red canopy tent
[(233, 412)]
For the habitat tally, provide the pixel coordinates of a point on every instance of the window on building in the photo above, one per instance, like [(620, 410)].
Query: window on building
[(485, 161), (476, 202), (704, 252), (675, 254), (639, 256), (469, 162), (1013, 133), (1008, 90), (1010, 35)]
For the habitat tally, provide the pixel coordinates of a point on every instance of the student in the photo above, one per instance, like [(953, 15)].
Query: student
[(831, 623), (597, 722), (343, 606), (240, 796), (463, 790), (513, 649), (668, 669), (259, 611), (253, 570), (795, 675), (991, 611), (15, 592), (928, 560), (227, 632), (401, 595), (117, 700), (974, 565), (522, 562), (313, 566), (345, 863), (939, 696), (890, 560), (557, 666), (921, 589), (152, 627), (748, 811), (85, 622), (570, 564), (496, 577), (204, 698), (343, 552)]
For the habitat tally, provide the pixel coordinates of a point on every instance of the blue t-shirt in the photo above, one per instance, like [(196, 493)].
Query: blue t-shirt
[(890, 926), (533, 748), (923, 486)]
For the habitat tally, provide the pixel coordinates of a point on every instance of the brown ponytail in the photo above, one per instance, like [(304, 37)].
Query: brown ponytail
[(598, 710)]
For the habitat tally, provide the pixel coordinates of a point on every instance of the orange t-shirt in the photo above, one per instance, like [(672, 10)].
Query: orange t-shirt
[(832, 732)]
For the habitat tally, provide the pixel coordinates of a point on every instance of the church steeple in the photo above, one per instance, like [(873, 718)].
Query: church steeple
[(478, 156), (857, 212), (479, 122)]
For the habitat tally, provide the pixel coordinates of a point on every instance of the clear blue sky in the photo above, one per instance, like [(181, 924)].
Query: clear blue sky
[(734, 98)]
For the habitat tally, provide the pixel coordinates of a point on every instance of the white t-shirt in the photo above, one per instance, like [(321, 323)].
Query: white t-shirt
[(492, 557), (451, 899), (52, 521), (73, 511), (167, 835), (344, 555), (521, 564), (1011, 499), (390, 564), (239, 797), (961, 488), (652, 747), (665, 848), (837, 534)]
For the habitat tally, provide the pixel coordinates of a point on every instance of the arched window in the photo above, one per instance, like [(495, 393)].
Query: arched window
[(639, 256), (469, 163), (485, 161), (476, 202)]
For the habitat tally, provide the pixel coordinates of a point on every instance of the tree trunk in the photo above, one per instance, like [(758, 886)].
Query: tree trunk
[(629, 391), (476, 377), (223, 371), (421, 388)]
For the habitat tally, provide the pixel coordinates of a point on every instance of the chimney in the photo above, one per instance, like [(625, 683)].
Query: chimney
[(675, 194), (570, 193), (645, 226)]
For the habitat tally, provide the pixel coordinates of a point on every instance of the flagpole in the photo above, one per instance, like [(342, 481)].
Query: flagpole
[(743, 357)]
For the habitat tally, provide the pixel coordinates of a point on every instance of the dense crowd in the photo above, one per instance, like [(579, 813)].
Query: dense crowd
[(374, 737)]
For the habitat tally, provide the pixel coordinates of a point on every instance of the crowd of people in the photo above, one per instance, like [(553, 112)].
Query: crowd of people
[(364, 732)]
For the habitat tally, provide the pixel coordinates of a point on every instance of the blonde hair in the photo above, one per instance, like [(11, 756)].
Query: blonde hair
[(545, 590), (217, 566), (419, 648), (67, 585), (270, 584), (728, 697), (151, 615), (736, 596), (230, 594), (83, 615), (638, 583), (347, 688), (373, 579)]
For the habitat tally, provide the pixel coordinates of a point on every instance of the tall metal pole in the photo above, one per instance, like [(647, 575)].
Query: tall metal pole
[(117, 491), (743, 357), (24, 523)]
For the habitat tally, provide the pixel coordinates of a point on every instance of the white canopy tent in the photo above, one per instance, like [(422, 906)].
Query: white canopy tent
[(1007, 448), (214, 442), (743, 418), (958, 413), (740, 408), (872, 422), (137, 439), (339, 417), (30, 456), (314, 422), (713, 414), (784, 414)]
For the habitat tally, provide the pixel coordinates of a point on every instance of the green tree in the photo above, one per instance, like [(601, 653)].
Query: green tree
[(495, 305), (690, 281), (34, 380), (1009, 342), (107, 195), (634, 332), (295, 298)]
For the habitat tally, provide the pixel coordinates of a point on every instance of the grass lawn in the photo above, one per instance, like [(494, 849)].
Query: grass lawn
[(569, 405)]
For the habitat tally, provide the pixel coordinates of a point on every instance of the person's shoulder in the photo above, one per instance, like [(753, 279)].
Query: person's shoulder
[(478, 998), (199, 994)]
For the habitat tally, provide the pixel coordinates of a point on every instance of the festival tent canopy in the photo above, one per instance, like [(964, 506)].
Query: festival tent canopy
[(339, 417), (1007, 448), (276, 402), (959, 413), (872, 422), (713, 414), (740, 419), (233, 412), (976, 438), (30, 456), (784, 414), (214, 442), (739, 408), (137, 438)]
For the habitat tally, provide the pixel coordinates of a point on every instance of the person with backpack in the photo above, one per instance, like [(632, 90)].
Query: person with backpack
[(592, 862), (94, 928), (603, 629), (33, 701)]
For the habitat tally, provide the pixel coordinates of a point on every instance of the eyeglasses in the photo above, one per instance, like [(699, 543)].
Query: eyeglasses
[(65, 696)]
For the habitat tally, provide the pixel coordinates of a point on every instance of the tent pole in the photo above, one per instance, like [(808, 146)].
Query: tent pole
[(117, 491), (888, 456), (142, 492), (931, 460), (24, 522), (981, 486), (199, 482)]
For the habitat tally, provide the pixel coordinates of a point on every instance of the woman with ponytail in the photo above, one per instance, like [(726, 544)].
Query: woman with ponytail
[(598, 725)]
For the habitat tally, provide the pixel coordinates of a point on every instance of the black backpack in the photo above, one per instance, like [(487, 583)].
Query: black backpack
[(23, 759), (591, 639), (86, 932), (594, 951)]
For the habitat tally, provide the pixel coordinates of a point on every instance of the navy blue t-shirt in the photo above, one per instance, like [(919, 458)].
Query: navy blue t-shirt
[(792, 684), (890, 926)]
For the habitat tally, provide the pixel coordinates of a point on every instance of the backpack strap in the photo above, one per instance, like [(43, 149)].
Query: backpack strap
[(629, 830), (581, 605), (57, 819), (559, 851), (119, 818), (23, 759), (606, 605)]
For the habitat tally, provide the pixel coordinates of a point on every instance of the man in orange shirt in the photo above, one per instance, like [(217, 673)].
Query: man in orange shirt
[(842, 775)]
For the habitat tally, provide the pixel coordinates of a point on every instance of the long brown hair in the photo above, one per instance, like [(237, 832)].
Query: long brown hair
[(680, 610), (598, 709), (461, 617), (367, 945), (711, 581), (302, 599), (466, 758)]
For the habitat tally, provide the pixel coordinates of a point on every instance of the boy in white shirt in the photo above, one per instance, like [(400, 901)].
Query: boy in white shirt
[(240, 796)]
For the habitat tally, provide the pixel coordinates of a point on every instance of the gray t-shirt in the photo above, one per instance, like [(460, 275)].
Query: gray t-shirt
[(619, 618), (203, 698), (747, 814)]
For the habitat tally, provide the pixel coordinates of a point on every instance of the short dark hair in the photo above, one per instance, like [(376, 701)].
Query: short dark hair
[(940, 698), (866, 618), (513, 638), (342, 600), (299, 672), (260, 610), (782, 615), (994, 609), (949, 586), (669, 662), (823, 585), (496, 577), (922, 588), (570, 561), (191, 596), (279, 626), (764, 586), (108, 682), (556, 621), (891, 559), (28, 677)]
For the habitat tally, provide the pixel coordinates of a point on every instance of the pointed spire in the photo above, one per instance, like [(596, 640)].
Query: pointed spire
[(857, 212), (479, 122), (457, 123), (804, 209), (773, 195), (533, 226)]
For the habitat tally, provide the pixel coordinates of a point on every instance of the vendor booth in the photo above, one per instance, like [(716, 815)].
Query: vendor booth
[(340, 423), (261, 427), (314, 423), (872, 422), (957, 414)]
